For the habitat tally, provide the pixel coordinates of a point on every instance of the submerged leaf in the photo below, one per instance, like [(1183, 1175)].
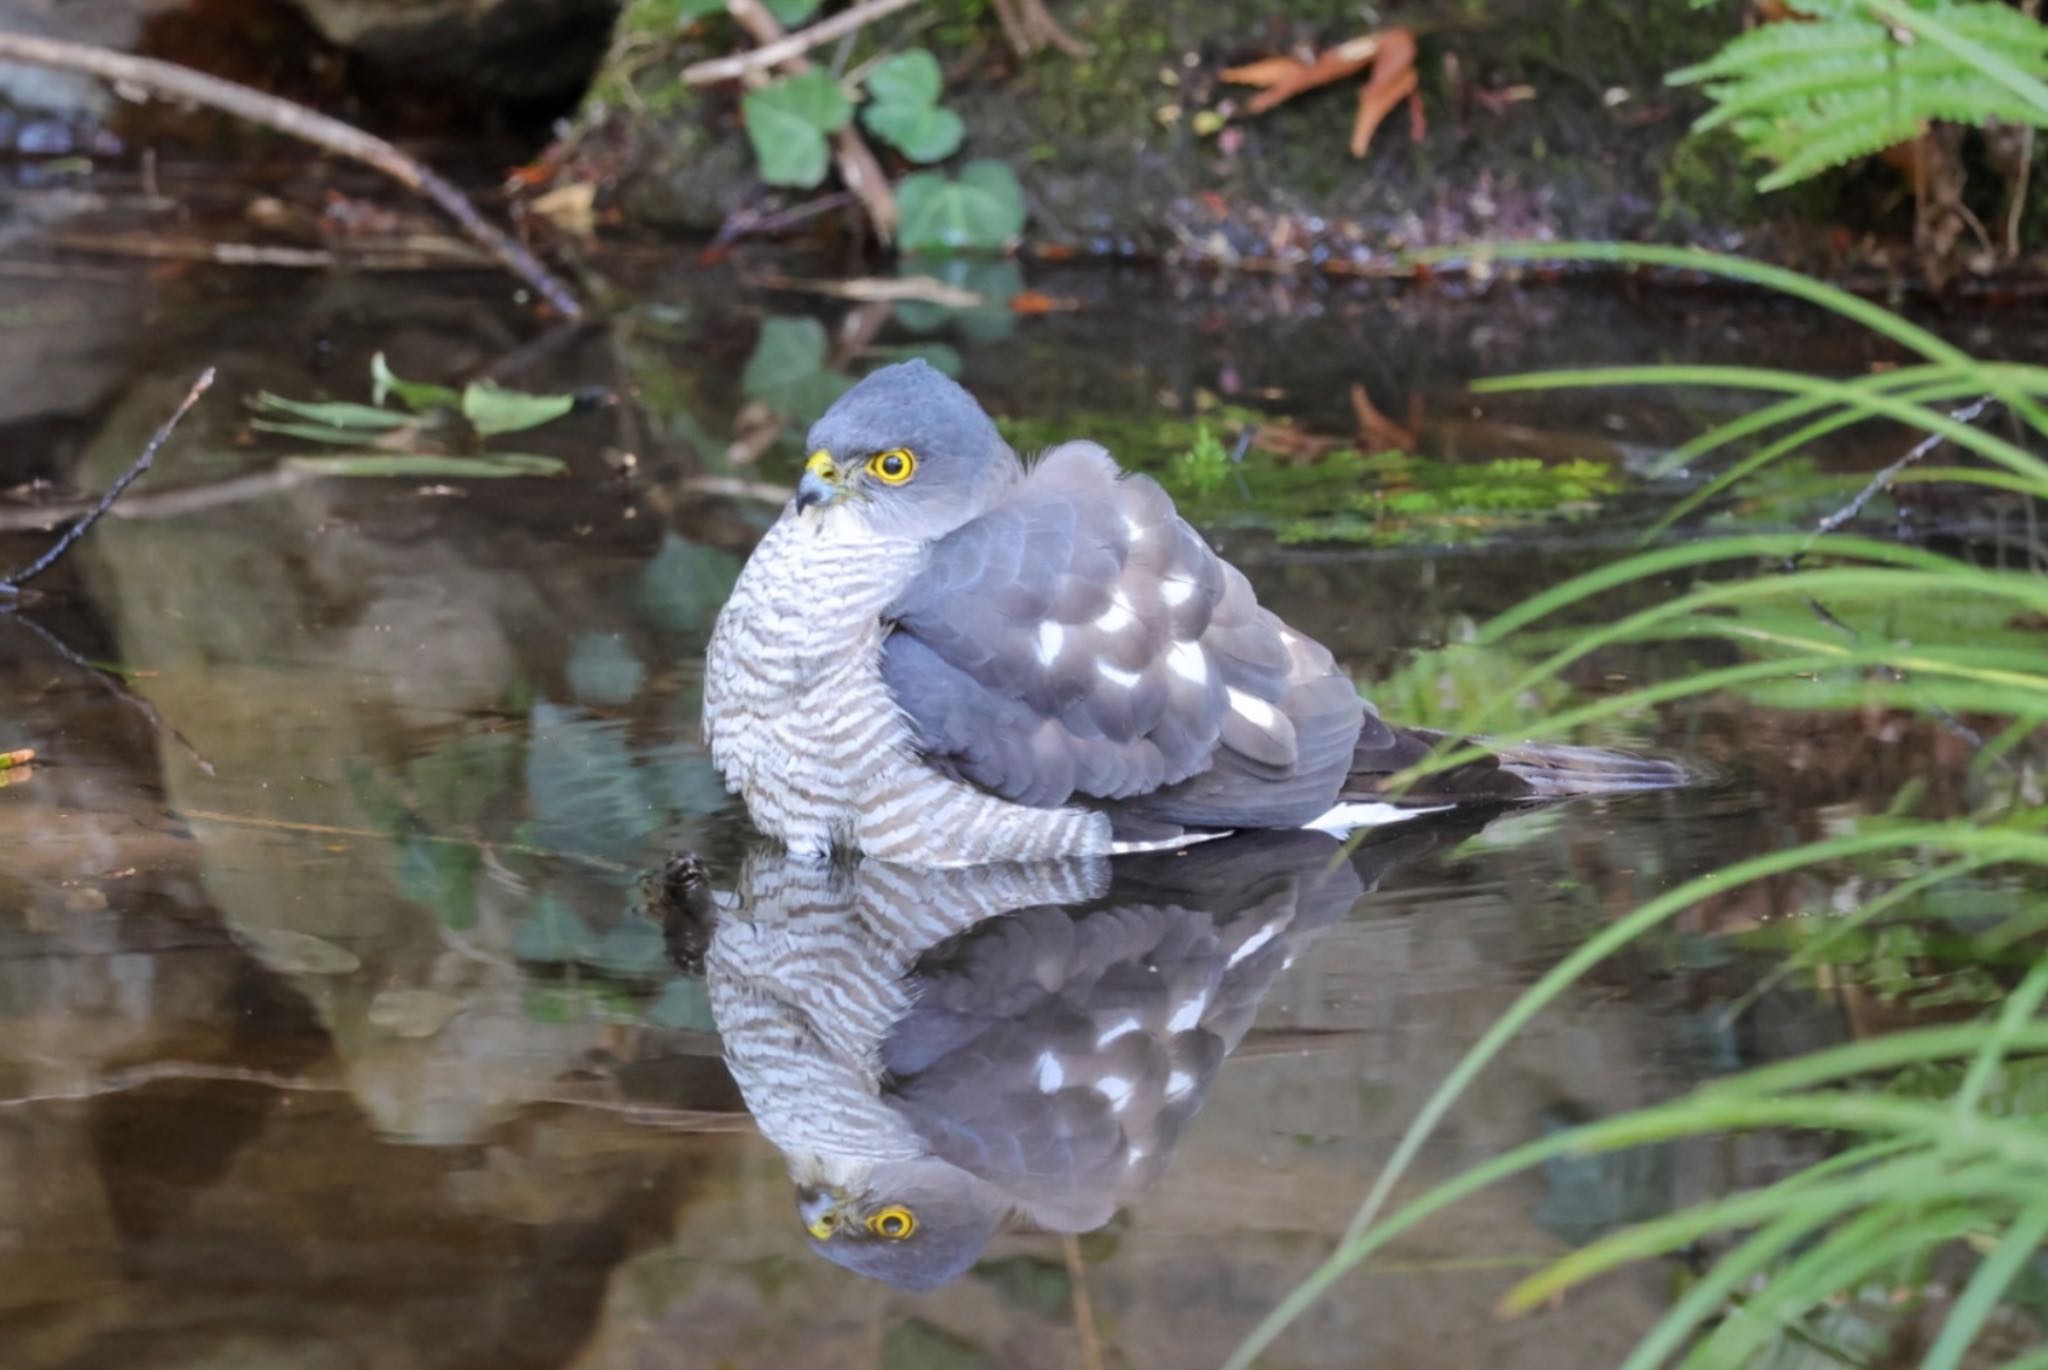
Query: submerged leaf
[(357, 418), (418, 396), (414, 466), (297, 953), (494, 409)]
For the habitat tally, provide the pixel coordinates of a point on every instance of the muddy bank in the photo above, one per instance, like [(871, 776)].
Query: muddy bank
[(1538, 118)]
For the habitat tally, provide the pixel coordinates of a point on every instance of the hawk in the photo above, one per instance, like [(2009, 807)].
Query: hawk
[(940, 656), (941, 1053)]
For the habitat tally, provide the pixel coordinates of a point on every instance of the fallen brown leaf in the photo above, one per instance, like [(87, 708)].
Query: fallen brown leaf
[(1346, 59), (1393, 80), (1037, 302)]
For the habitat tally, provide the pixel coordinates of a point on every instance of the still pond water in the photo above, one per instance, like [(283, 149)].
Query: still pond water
[(338, 1029)]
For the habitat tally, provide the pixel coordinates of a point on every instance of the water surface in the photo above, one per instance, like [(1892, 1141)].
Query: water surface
[(338, 1022)]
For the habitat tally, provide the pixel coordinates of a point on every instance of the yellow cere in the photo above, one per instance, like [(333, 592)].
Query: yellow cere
[(892, 467), (820, 464)]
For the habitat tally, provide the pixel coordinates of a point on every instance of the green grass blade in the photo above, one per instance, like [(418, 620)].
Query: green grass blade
[(1889, 1234), (1786, 411), (2009, 455), (1898, 1118), (1874, 317), (1662, 560), (2020, 1006), (1844, 417), (1710, 1291), (1814, 1204), (1908, 1046), (1838, 929), (1987, 1286)]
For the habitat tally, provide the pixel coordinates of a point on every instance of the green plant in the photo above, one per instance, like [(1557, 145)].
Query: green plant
[(1947, 1129), (982, 207), (1846, 78), (435, 430)]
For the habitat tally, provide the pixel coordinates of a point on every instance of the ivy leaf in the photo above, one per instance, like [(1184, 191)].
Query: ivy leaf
[(908, 78), (923, 133), (787, 123), (982, 208)]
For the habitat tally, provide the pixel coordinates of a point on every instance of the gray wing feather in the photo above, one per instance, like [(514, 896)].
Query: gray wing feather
[(1080, 640)]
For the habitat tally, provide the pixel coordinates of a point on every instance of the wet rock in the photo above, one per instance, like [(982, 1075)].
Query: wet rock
[(519, 49)]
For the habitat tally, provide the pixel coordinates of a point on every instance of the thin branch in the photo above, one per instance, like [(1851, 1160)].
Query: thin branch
[(114, 685), (10, 584), (771, 54), (856, 160), (1879, 484), (170, 80)]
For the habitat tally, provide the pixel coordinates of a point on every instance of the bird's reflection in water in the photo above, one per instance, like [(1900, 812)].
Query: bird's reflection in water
[(940, 1052)]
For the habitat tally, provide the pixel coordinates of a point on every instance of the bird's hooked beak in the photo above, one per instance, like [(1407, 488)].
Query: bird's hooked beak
[(818, 1209), (821, 482)]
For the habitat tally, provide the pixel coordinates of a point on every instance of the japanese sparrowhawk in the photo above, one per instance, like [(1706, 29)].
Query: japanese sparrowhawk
[(941, 656)]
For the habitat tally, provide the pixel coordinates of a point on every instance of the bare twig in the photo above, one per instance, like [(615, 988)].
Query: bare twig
[(770, 54), (10, 584), (170, 80), (1883, 480), (856, 160), (894, 289), (1877, 485)]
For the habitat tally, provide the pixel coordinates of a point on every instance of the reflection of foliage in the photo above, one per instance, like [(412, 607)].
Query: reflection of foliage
[(682, 588), (997, 280), (790, 372), (982, 207), (438, 431)]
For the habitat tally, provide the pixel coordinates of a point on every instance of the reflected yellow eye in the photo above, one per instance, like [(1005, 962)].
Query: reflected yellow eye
[(892, 467), (893, 1223)]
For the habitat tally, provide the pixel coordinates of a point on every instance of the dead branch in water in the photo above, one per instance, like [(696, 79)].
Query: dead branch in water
[(11, 583), (857, 165), (171, 81), (711, 72)]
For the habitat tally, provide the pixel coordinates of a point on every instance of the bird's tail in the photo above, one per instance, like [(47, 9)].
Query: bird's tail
[(1509, 773)]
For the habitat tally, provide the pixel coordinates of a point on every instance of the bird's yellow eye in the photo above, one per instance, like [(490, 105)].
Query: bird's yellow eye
[(893, 1223), (892, 467)]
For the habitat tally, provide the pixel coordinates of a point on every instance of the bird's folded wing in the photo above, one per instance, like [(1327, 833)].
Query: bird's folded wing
[(1081, 640)]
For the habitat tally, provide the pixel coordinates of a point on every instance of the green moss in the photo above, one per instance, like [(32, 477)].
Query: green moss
[(1343, 495)]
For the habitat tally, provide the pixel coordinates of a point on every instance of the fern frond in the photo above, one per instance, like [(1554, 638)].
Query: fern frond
[(1842, 84)]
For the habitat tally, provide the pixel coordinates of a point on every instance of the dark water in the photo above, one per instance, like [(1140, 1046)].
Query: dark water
[(338, 1027)]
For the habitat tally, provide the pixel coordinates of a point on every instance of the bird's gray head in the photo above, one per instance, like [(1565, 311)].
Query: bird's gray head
[(914, 1224), (909, 452)]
